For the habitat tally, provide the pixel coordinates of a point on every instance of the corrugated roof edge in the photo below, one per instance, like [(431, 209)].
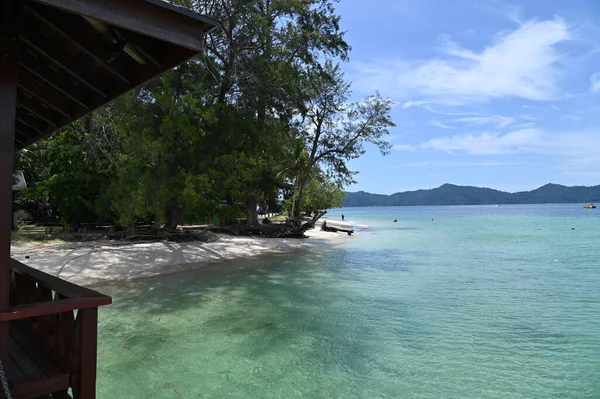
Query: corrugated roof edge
[(172, 7)]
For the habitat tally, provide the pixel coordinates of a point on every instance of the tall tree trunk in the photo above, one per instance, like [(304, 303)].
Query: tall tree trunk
[(301, 191), (252, 214), (174, 216)]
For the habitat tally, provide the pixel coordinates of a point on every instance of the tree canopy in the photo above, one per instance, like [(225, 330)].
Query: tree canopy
[(265, 112)]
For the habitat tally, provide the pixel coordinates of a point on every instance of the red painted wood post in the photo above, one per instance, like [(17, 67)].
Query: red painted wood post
[(88, 341), (8, 101)]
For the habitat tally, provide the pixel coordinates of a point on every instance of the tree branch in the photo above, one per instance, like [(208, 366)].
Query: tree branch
[(343, 150)]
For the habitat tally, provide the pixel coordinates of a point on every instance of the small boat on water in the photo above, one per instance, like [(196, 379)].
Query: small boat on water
[(590, 206)]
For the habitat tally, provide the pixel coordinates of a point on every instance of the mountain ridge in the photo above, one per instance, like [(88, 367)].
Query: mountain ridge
[(452, 194)]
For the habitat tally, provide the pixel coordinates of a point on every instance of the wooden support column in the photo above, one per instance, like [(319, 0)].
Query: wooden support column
[(85, 386), (8, 102)]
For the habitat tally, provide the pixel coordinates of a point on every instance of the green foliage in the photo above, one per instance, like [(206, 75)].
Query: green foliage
[(322, 194), (65, 179), (264, 111)]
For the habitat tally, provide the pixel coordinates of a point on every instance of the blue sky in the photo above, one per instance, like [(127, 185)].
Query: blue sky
[(488, 93)]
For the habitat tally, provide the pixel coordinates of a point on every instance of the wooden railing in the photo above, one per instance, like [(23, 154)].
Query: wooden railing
[(62, 318)]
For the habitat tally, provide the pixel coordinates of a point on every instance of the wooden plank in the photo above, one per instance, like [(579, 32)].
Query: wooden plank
[(32, 347), (142, 17), (44, 375), (23, 360), (14, 372), (36, 108), (56, 284), (32, 122), (40, 70), (78, 32), (44, 94), (55, 53), (52, 307)]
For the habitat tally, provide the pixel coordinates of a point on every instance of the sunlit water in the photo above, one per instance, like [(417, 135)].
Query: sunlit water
[(450, 302)]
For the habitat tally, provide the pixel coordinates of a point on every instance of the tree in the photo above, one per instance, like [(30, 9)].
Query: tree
[(257, 64), (161, 171), (68, 174), (321, 194), (335, 130)]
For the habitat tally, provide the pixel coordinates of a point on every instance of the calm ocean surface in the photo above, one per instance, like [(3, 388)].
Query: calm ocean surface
[(450, 302)]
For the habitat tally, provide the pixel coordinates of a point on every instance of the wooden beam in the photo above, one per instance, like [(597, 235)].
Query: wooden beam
[(20, 138), (44, 94), (56, 284), (78, 32), (24, 133), (35, 309), (140, 48), (9, 75), (140, 16), (55, 53), (36, 67), (37, 108), (37, 125), (85, 386)]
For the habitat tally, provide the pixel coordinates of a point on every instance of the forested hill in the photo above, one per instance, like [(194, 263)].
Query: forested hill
[(450, 194)]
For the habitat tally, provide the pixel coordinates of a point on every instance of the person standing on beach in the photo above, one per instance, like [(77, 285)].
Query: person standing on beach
[(342, 217)]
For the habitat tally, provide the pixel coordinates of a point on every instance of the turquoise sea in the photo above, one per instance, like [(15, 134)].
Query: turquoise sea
[(450, 302)]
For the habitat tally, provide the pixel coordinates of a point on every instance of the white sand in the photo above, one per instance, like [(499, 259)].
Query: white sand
[(97, 261)]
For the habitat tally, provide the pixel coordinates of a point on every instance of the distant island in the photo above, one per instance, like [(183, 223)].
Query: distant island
[(450, 194)]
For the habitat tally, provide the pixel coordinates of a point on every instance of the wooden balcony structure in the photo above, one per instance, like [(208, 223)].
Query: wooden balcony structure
[(59, 60)]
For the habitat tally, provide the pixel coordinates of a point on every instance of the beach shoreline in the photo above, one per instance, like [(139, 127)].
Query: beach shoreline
[(96, 262)]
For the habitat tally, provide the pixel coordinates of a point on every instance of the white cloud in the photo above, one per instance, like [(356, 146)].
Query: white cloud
[(568, 151), (595, 83), (500, 121), (446, 112), (523, 63), (524, 125), (410, 104), (403, 147), (487, 143), (441, 125)]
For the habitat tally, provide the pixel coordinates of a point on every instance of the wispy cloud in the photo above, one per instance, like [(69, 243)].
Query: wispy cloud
[(403, 147), (445, 111), (523, 63), (412, 103), (500, 121), (487, 143), (573, 150), (441, 125)]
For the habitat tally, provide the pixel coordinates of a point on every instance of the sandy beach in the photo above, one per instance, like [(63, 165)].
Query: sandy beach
[(93, 262)]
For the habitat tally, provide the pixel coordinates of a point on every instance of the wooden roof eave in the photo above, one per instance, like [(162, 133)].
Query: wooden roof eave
[(152, 18), (77, 55)]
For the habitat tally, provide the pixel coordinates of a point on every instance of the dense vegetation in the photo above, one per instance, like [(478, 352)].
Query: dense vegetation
[(449, 194), (263, 115)]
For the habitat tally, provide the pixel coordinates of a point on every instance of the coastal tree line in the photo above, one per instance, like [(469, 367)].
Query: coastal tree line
[(266, 111)]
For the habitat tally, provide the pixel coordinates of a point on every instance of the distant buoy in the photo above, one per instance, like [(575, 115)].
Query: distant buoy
[(572, 228)]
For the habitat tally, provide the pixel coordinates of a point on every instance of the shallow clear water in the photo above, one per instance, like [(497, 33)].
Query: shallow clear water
[(450, 302)]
